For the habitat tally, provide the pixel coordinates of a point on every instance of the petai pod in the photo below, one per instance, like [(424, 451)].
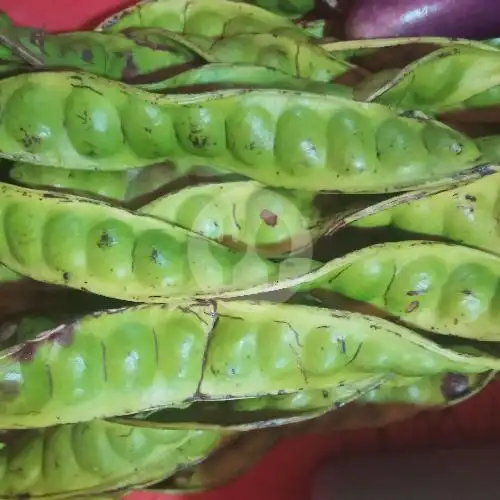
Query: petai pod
[(459, 73), (111, 55), (132, 360), (299, 58), (96, 458), (236, 75), (124, 185), (61, 119), (436, 390), (258, 413), (467, 215), (287, 8), (87, 244), (439, 287), (199, 17)]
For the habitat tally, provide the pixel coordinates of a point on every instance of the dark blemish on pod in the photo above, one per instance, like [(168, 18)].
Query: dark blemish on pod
[(88, 87), (454, 386), (51, 195), (106, 240), (156, 256), (325, 393), (26, 353), (412, 306), (66, 276), (469, 197), (37, 38), (84, 117), (63, 336), (131, 68), (413, 293), (87, 56), (269, 218)]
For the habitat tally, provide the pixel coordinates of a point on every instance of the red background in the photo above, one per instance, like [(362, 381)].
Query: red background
[(286, 473)]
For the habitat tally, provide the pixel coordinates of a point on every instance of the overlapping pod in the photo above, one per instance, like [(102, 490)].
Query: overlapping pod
[(199, 17), (443, 288), (270, 411), (96, 458), (462, 76), (111, 55), (280, 138), (152, 356), (238, 75), (467, 215), (90, 245), (299, 58)]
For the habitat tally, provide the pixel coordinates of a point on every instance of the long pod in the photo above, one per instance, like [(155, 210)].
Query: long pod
[(131, 360), (443, 288), (96, 458), (299, 58), (111, 55), (200, 17), (280, 138), (90, 245), (458, 74)]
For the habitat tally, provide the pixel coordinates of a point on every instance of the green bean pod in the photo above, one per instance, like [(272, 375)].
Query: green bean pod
[(299, 58), (459, 73), (280, 138), (154, 356), (87, 244), (439, 287), (237, 75), (111, 55), (96, 458), (199, 17)]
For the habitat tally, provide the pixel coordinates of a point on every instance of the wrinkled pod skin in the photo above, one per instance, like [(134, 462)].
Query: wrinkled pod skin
[(439, 390), (459, 74), (87, 244), (110, 55), (218, 351), (353, 147), (96, 458), (439, 287), (199, 17), (299, 58), (124, 186)]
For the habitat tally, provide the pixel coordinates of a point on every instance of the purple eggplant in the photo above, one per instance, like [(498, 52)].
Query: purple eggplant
[(474, 19)]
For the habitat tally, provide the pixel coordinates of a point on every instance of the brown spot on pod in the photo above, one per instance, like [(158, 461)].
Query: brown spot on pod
[(454, 386), (63, 335), (469, 197), (412, 306), (106, 240), (37, 38), (130, 70), (26, 353), (87, 55), (269, 218)]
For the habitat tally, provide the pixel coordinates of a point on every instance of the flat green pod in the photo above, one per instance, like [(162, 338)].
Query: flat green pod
[(96, 458), (238, 75), (123, 186), (275, 222), (111, 55), (467, 214), (439, 287), (89, 245), (299, 58), (147, 357), (259, 413), (442, 81), (199, 17), (280, 138)]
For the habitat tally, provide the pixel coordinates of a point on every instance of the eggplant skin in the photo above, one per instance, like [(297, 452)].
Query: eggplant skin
[(474, 19)]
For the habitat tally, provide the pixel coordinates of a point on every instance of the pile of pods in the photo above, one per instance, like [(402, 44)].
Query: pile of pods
[(220, 226)]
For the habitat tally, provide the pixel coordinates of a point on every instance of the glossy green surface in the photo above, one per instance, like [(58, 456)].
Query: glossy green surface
[(95, 458), (443, 288), (153, 356), (89, 245), (280, 138)]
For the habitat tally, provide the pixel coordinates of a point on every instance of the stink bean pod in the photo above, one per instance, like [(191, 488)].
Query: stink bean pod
[(111, 55), (299, 58), (287, 8), (443, 288), (237, 75), (96, 458), (199, 17), (90, 245), (154, 356), (277, 137), (458, 74)]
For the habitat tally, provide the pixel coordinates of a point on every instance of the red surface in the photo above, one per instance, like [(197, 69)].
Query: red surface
[(286, 473)]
